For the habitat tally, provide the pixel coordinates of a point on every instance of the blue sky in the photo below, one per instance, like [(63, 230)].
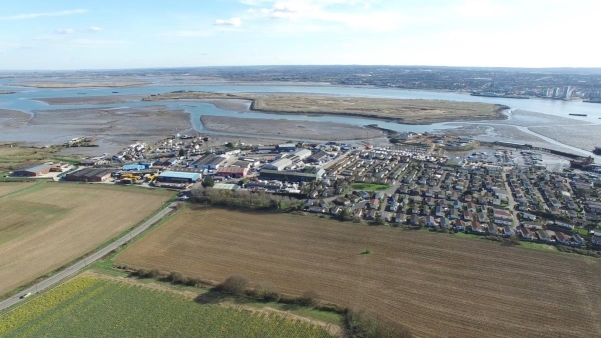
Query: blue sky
[(112, 34)]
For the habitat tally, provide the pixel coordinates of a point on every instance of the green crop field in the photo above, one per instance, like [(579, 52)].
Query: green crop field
[(96, 307), (369, 186)]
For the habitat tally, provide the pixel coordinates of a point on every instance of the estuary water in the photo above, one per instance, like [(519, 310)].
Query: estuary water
[(24, 100)]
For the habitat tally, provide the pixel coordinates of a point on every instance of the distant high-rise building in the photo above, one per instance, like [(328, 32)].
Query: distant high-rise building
[(557, 92), (567, 92)]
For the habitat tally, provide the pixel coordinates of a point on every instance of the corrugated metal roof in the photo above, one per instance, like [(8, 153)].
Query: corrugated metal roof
[(225, 186), (37, 167), (179, 174), (133, 167)]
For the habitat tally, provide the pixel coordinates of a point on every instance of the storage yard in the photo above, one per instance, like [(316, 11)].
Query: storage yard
[(437, 285), (46, 225)]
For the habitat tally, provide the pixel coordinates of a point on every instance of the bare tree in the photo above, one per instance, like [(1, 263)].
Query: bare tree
[(235, 285)]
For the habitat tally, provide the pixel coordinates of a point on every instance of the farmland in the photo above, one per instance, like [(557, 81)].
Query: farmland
[(9, 187), (436, 285), (46, 225), (94, 307)]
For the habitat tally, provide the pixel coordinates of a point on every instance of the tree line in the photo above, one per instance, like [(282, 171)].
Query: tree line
[(244, 199)]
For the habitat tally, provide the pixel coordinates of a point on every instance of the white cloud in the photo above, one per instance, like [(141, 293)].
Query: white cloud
[(97, 43), (65, 31), (336, 14), (234, 22), (482, 9), (189, 34), (43, 14)]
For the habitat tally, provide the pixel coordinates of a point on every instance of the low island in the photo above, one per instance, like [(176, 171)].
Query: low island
[(81, 84), (405, 111)]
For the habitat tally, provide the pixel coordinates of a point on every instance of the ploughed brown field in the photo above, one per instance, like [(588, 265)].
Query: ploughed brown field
[(435, 284), (47, 225)]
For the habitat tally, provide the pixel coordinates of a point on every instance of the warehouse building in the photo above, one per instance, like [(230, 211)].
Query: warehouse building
[(319, 157), (132, 167), (236, 172), (309, 174), (302, 154), (280, 164), (209, 162), (178, 177), (287, 147), (90, 175), (226, 186), (34, 170)]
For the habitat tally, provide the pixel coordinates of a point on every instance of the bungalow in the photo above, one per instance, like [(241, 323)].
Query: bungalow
[(318, 210), (528, 216), (336, 210), (324, 204), (358, 213), (525, 233), (461, 225), (439, 211), (577, 240), (364, 195), (430, 201), (563, 225), (467, 215), (414, 220), (386, 216), (370, 214), (431, 221), (471, 206), (492, 229), (532, 225), (562, 238), (374, 203), (308, 203), (400, 218), (457, 205), (477, 228), (454, 214), (444, 223), (545, 236), (507, 231), (482, 217), (592, 217), (502, 217)]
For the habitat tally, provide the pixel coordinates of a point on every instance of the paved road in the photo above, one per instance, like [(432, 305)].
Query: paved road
[(73, 269)]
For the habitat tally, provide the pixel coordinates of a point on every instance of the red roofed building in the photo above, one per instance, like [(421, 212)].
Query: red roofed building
[(236, 172)]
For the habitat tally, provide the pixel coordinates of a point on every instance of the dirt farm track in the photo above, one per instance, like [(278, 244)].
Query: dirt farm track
[(47, 225), (436, 285)]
